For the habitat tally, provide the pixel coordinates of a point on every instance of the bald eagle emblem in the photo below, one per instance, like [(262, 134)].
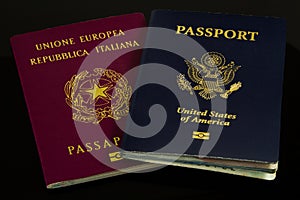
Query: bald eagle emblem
[(209, 76)]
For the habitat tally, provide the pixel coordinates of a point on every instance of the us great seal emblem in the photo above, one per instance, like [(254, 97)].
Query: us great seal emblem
[(209, 75), (93, 96)]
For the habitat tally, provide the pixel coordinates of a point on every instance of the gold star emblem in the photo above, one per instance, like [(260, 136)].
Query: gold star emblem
[(98, 91)]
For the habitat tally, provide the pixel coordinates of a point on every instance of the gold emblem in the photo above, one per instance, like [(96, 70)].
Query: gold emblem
[(115, 156), (209, 75), (201, 135), (91, 95)]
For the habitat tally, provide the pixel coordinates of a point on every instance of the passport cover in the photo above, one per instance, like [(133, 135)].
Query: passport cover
[(68, 87), (221, 100)]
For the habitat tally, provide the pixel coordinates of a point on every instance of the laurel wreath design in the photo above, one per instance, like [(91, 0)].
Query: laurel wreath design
[(91, 112)]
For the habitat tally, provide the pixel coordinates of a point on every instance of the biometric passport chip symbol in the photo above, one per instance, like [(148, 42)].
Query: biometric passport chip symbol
[(209, 75), (92, 98), (115, 156), (201, 135)]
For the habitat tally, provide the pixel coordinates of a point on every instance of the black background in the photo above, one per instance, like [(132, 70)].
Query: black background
[(21, 170)]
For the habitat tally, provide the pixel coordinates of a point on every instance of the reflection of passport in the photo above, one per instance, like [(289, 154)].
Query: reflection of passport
[(66, 104), (228, 72)]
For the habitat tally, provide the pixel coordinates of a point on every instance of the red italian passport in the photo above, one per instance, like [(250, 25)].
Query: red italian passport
[(76, 92)]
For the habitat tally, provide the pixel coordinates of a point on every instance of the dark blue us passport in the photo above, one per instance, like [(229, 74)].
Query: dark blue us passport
[(208, 93)]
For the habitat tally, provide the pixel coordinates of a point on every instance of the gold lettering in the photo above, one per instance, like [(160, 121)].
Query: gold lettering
[(80, 149), (122, 46), (81, 38), (115, 32), (71, 40), (47, 45), (58, 57), (180, 29), (39, 60), (100, 36), (64, 56), (88, 147), (91, 146), (120, 33), (128, 44), (230, 31), (252, 35), (95, 37), (116, 140), (196, 120), (71, 149), (221, 115), (135, 43), (108, 33), (208, 32), (218, 32), (191, 112), (215, 118), (226, 123), (179, 110), (107, 48), (38, 47), (32, 61), (106, 144), (200, 31), (189, 31), (242, 35), (54, 44), (116, 46), (97, 145)]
